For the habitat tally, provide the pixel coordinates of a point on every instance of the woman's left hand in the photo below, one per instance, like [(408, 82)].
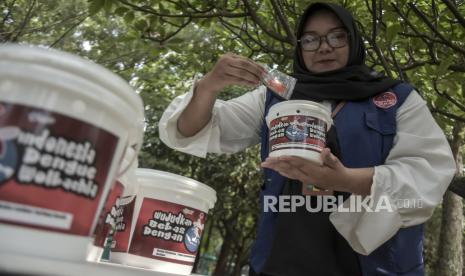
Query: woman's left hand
[(331, 175)]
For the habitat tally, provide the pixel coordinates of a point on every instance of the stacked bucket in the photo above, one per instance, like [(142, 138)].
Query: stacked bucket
[(70, 189)]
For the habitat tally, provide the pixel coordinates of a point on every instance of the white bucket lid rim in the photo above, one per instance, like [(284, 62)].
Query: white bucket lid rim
[(75, 65), (314, 106), (180, 182), (66, 81)]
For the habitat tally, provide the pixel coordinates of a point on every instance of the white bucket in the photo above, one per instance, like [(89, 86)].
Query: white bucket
[(298, 128), (168, 221), (110, 220), (67, 123)]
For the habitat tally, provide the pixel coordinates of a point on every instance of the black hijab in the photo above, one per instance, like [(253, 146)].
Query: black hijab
[(356, 81)]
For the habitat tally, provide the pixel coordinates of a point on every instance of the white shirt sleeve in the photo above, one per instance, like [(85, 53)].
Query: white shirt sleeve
[(413, 180), (234, 126)]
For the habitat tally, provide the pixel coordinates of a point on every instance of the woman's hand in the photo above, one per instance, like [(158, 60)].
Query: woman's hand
[(331, 175), (231, 69)]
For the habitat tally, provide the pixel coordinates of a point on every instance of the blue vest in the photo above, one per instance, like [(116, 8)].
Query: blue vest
[(365, 133)]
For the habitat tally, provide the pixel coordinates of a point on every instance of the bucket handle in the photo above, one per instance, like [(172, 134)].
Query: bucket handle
[(136, 146), (124, 169)]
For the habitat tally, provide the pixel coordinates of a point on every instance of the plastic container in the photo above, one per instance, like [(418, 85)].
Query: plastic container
[(69, 122), (110, 220), (167, 223), (298, 128), (278, 82)]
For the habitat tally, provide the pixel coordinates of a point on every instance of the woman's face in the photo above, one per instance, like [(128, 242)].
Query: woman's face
[(325, 58)]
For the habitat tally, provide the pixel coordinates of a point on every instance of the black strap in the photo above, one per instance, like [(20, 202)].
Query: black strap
[(457, 186)]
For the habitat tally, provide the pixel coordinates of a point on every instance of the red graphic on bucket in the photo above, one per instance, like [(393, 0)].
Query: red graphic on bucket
[(53, 169), (110, 214), (167, 231), (123, 224), (385, 100), (297, 132)]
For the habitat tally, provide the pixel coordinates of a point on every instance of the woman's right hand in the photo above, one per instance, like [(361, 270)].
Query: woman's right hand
[(231, 69)]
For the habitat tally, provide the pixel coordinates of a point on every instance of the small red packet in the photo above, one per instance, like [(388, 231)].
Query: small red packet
[(278, 82)]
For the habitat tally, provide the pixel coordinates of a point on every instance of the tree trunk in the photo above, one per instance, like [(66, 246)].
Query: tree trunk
[(221, 264), (238, 262), (209, 234), (450, 244), (206, 235), (195, 267), (230, 263)]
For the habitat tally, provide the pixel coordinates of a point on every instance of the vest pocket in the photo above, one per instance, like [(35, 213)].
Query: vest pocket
[(383, 124)]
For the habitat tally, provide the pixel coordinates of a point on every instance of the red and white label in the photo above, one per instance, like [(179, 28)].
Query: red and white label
[(123, 224), (53, 169), (297, 132), (109, 215), (385, 100), (167, 231)]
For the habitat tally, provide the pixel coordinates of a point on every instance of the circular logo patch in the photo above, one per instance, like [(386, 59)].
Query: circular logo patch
[(192, 239), (295, 133), (385, 100)]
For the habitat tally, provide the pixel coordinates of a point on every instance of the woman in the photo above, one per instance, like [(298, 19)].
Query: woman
[(387, 145)]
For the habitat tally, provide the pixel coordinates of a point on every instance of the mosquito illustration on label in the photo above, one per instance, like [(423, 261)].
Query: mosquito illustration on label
[(295, 132), (193, 234)]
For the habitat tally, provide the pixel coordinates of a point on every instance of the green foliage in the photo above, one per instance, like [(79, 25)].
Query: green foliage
[(96, 6)]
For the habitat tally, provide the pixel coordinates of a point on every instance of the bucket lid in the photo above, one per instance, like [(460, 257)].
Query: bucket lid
[(300, 104), (177, 183), (75, 65)]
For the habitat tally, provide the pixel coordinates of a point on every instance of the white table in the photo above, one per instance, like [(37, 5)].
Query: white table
[(30, 265)]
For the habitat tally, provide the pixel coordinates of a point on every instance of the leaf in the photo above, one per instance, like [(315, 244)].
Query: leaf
[(440, 102), (444, 65), (107, 5), (162, 9), (95, 6), (174, 48), (155, 51), (429, 70), (176, 40), (205, 23), (154, 20), (121, 11), (141, 24), (162, 32), (129, 17), (450, 86), (442, 122), (392, 31)]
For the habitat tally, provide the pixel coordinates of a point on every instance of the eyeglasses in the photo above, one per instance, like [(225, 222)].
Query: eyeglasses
[(312, 42)]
